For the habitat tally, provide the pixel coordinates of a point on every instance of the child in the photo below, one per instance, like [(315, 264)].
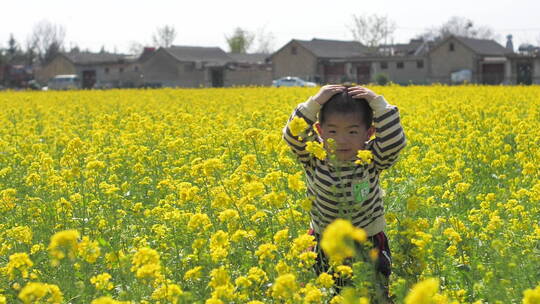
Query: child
[(340, 186)]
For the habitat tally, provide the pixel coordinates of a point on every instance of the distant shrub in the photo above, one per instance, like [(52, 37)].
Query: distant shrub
[(381, 79)]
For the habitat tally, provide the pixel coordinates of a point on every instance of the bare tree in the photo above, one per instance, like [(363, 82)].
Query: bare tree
[(47, 39), (240, 41), (265, 41), (164, 36), (459, 26), (372, 30), (136, 48)]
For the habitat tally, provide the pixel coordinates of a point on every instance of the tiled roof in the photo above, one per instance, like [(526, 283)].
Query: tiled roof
[(483, 46), (199, 54), (333, 48), (94, 58), (249, 58)]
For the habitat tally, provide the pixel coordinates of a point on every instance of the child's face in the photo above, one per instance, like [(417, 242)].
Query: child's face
[(348, 132)]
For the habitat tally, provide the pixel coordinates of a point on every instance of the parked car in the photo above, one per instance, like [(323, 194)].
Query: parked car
[(292, 82), (64, 82)]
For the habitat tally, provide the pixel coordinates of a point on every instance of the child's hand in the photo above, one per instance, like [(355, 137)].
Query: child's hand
[(361, 92), (326, 92)]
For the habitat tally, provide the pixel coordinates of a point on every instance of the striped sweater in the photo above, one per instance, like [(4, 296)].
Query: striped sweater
[(333, 186)]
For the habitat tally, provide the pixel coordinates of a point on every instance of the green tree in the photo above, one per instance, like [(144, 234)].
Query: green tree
[(13, 47), (240, 41)]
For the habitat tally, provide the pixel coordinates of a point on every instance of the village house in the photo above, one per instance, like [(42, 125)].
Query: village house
[(399, 63), (249, 69), (317, 60), (191, 66), (417, 62), (485, 59), (524, 67), (96, 70)]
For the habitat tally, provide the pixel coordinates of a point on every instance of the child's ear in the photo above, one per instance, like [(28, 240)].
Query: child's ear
[(371, 131), (318, 128)]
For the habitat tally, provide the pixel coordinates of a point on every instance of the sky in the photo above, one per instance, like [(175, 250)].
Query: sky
[(116, 24)]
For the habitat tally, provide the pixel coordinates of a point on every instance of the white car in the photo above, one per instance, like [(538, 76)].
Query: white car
[(292, 82), (64, 82)]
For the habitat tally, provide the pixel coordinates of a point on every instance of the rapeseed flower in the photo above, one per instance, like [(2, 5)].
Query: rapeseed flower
[(423, 292), (317, 149), (40, 292), (364, 157), (297, 126), (285, 287), (102, 281), (64, 243), (532, 296), (337, 240), (18, 263)]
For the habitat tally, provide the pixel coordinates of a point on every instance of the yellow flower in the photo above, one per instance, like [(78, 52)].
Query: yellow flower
[(302, 243), (325, 280), (337, 240), (532, 296), (257, 275), (364, 157), (266, 251), (108, 300), (101, 281), (312, 294), (41, 292), (145, 256), (169, 292), (344, 271), (146, 264), (149, 271), (228, 215), (20, 262), (89, 250), (462, 187), (316, 149), (297, 126), (219, 277), (423, 292), (296, 182), (284, 287), (199, 222), (219, 245), (193, 274), (64, 243), (282, 236), (21, 234)]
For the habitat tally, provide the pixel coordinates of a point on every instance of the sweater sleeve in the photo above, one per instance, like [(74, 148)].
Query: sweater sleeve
[(308, 111), (389, 135)]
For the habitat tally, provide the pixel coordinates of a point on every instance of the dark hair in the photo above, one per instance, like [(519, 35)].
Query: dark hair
[(343, 103)]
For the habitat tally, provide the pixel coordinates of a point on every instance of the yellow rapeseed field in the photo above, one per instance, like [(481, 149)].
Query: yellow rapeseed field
[(191, 196)]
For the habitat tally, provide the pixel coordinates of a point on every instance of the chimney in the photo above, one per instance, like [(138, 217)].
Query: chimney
[(509, 44)]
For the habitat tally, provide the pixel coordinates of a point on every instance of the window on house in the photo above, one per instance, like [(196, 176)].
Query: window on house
[(106, 70), (293, 50), (451, 47), (399, 64), (420, 64), (384, 65)]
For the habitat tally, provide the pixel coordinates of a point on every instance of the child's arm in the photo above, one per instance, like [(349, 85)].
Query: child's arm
[(308, 111), (389, 136)]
